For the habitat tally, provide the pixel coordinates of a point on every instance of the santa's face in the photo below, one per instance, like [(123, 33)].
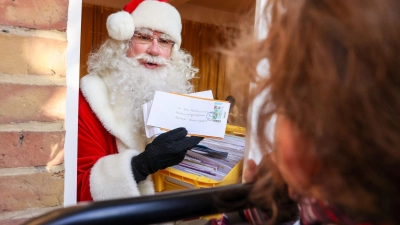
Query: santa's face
[(130, 84), (148, 43)]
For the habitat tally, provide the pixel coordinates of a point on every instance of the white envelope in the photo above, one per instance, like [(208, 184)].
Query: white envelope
[(200, 116), (152, 130)]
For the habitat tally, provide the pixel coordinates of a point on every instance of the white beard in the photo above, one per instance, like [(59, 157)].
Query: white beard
[(131, 85)]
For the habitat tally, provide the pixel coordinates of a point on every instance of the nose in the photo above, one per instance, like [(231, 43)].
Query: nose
[(153, 48)]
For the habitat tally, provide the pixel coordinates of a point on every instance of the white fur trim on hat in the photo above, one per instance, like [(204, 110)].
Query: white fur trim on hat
[(160, 16), (120, 26)]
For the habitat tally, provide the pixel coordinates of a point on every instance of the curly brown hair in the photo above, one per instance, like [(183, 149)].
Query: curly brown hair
[(334, 71)]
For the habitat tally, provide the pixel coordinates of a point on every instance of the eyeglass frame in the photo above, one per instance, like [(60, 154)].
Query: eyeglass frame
[(159, 41)]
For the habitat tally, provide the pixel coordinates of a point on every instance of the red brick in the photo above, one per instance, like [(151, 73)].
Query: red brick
[(19, 217), (38, 14), (32, 55), (13, 221), (37, 190), (23, 103), (27, 148)]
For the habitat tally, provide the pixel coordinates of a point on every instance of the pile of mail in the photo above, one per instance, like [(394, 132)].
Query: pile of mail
[(201, 115), (214, 158)]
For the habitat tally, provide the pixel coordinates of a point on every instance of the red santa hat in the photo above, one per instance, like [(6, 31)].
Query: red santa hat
[(157, 15)]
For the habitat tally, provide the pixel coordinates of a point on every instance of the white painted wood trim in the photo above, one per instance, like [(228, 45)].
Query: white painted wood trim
[(71, 117)]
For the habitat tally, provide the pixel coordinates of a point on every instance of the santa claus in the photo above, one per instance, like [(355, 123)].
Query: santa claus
[(142, 56)]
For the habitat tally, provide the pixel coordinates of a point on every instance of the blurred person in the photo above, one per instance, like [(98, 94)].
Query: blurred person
[(141, 56), (334, 85), (233, 109)]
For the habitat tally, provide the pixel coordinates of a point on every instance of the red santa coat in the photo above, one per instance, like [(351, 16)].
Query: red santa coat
[(105, 148), (94, 142)]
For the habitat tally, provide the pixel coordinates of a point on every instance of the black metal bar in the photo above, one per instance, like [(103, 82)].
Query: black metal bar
[(159, 208)]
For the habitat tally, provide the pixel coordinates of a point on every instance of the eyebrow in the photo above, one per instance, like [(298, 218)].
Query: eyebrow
[(165, 36), (150, 32), (144, 31)]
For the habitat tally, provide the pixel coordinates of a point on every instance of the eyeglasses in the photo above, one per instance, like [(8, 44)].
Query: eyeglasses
[(147, 39)]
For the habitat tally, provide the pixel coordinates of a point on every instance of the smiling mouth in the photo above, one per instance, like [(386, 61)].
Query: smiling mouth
[(151, 64), (147, 63)]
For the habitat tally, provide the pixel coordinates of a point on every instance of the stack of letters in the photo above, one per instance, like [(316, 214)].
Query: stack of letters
[(214, 158), (216, 155)]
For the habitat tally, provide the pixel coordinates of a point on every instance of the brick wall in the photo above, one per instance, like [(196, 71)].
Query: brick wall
[(32, 107)]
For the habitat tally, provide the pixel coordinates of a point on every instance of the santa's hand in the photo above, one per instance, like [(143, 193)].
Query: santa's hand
[(168, 149)]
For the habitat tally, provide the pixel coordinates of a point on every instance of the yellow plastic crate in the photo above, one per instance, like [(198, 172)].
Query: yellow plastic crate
[(171, 179), (235, 130)]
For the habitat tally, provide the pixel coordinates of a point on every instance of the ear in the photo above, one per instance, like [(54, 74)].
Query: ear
[(294, 154)]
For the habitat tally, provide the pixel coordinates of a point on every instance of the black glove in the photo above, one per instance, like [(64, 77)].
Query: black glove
[(168, 149)]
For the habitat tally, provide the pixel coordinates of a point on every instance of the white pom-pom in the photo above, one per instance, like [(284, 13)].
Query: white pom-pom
[(120, 25)]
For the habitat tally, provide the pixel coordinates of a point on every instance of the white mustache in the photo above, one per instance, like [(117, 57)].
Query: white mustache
[(152, 59)]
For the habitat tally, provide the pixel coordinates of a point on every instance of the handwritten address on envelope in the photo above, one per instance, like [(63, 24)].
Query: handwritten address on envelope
[(204, 117)]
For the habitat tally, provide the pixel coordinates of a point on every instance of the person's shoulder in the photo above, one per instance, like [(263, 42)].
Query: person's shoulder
[(235, 110), (83, 105), (93, 90), (90, 79), (82, 100)]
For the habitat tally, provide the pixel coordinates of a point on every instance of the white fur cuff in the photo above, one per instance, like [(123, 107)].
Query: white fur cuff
[(111, 178)]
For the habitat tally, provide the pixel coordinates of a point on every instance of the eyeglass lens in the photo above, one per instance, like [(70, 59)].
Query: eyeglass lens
[(147, 39)]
